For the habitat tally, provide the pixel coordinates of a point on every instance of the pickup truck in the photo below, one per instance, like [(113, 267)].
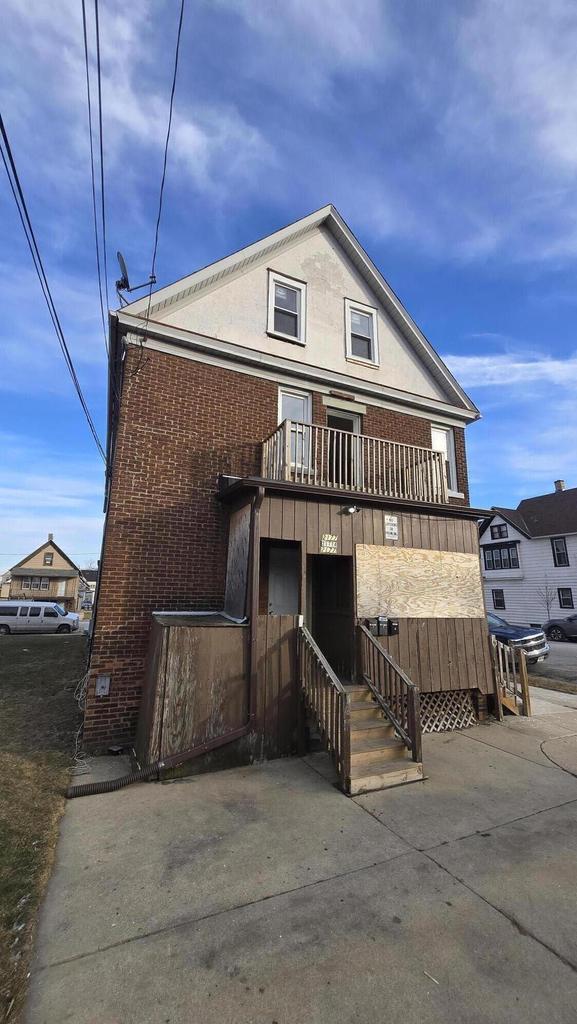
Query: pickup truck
[(530, 639)]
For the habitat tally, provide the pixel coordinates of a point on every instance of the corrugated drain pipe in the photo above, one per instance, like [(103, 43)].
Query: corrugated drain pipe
[(142, 774)]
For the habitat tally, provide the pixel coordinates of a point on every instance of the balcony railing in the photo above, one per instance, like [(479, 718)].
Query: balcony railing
[(305, 453)]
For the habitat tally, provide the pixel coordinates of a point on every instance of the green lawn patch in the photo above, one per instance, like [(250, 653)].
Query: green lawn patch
[(39, 719)]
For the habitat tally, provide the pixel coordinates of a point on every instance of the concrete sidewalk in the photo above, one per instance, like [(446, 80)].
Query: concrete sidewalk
[(265, 895)]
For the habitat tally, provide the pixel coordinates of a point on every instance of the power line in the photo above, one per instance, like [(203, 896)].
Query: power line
[(102, 203), (95, 216), (162, 180), (18, 194)]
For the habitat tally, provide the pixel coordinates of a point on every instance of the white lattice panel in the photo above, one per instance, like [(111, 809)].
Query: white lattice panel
[(443, 712)]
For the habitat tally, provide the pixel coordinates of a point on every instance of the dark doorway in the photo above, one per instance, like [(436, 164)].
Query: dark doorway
[(343, 453), (331, 610), (280, 577)]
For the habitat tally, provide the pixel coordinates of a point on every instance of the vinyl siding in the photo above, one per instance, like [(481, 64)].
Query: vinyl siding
[(536, 571)]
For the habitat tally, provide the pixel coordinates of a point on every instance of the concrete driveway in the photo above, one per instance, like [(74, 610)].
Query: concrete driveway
[(264, 895)]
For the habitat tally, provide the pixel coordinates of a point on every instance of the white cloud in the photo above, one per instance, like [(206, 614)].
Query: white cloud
[(45, 491), (506, 370)]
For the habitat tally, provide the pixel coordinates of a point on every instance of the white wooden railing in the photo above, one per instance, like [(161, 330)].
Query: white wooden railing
[(325, 457)]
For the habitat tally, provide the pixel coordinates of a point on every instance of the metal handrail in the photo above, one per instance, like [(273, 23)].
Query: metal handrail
[(395, 693)]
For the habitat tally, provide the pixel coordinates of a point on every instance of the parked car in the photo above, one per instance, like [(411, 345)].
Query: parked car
[(35, 617), (562, 629), (531, 640)]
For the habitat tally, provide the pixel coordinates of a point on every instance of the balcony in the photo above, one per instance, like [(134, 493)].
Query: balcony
[(304, 453)]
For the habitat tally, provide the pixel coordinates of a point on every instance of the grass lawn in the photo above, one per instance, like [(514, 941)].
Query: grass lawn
[(38, 722)]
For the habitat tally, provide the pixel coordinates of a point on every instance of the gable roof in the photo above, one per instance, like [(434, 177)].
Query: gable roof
[(47, 544), (546, 515), (329, 218)]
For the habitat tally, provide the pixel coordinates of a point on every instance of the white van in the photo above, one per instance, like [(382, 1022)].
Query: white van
[(35, 617)]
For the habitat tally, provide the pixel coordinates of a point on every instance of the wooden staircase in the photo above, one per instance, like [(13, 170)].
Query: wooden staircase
[(378, 757)]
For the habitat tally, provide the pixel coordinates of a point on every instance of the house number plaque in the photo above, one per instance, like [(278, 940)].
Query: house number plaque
[(391, 528), (329, 544)]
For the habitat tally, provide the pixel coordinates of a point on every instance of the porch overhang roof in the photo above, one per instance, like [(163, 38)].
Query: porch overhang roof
[(231, 488)]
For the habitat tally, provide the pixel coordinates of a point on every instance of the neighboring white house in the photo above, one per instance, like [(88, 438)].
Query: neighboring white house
[(529, 558)]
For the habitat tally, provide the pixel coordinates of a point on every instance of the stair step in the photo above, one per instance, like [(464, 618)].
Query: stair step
[(371, 728), (362, 710), (358, 692), (385, 775), (365, 751)]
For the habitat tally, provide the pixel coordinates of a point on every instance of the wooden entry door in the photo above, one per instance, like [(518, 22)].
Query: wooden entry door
[(332, 610)]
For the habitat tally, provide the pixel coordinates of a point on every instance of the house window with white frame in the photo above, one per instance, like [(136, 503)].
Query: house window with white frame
[(296, 406), (443, 440), (287, 308), (361, 332), (48, 558)]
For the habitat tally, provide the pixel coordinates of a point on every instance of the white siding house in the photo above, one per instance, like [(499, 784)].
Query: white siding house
[(529, 558)]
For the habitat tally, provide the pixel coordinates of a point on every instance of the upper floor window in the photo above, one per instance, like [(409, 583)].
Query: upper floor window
[(499, 531), (565, 597), (48, 557), (286, 307), (498, 600), (560, 556), (501, 556), (443, 440), (26, 583), (361, 332)]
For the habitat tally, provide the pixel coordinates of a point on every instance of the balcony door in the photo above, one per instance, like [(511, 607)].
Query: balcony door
[(296, 406), (344, 457)]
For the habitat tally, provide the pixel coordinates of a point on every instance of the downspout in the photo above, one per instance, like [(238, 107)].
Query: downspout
[(254, 587)]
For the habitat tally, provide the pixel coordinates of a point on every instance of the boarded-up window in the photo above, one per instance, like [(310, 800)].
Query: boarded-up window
[(418, 583)]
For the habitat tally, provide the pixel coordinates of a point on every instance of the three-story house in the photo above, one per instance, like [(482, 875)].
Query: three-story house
[(288, 532)]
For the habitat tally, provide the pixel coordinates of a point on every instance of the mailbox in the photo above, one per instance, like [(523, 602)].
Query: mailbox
[(380, 625), (377, 625)]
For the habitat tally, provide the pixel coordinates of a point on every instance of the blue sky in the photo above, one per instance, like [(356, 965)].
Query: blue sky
[(446, 135)]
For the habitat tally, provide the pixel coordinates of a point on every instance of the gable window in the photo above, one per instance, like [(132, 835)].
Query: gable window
[(560, 556), (443, 440), (286, 308), (499, 531), (48, 557), (565, 597), (501, 556), (361, 332), (498, 600)]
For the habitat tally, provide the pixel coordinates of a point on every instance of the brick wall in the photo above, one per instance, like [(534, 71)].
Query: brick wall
[(181, 424)]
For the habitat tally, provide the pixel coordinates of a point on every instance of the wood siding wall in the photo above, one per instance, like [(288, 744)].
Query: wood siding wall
[(277, 687), (196, 687), (438, 654)]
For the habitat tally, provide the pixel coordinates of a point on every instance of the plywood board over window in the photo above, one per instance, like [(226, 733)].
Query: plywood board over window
[(418, 583)]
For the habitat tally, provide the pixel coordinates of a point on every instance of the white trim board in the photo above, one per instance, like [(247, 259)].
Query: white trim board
[(214, 351)]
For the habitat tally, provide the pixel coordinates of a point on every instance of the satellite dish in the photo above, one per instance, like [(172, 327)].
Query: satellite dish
[(123, 284)]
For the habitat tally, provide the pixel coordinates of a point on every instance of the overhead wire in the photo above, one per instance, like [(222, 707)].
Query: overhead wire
[(94, 212), (101, 147), (16, 188), (162, 184)]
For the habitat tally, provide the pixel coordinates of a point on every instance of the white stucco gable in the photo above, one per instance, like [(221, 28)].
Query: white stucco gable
[(228, 301)]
